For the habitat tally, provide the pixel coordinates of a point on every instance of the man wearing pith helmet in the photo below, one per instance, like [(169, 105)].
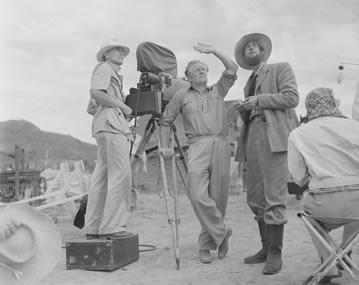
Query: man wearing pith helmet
[(203, 112), (110, 188), (268, 113)]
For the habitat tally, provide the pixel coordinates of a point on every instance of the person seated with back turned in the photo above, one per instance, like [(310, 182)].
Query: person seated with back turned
[(325, 153)]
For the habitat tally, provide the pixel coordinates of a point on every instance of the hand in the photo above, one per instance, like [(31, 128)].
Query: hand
[(167, 152), (250, 102), (127, 111), (8, 227), (239, 105), (203, 48)]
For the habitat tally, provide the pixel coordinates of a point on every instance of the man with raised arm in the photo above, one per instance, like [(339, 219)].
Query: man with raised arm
[(203, 111)]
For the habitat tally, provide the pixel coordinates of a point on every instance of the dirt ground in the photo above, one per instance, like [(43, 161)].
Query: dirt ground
[(158, 266)]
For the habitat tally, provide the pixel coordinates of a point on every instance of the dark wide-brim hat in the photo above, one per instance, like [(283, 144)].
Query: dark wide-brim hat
[(261, 39)]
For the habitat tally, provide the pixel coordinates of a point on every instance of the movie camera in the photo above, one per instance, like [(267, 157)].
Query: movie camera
[(158, 82)]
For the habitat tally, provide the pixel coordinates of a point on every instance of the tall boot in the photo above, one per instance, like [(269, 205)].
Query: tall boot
[(260, 256), (275, 245)]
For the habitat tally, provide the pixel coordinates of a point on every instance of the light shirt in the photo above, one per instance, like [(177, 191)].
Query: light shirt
[(108, 119), (203, 113), (325, 153)]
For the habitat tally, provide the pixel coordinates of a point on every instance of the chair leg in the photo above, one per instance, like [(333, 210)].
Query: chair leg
[(331, 253)]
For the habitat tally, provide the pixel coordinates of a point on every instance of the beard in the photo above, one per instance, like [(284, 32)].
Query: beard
[(253, 61)]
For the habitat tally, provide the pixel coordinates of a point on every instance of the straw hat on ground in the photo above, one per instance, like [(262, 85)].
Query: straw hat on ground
[(113, 43), (30, 245), (261, 39)]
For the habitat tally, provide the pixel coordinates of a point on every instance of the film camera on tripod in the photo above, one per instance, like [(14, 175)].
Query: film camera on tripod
[(158, 80), (157, 85)]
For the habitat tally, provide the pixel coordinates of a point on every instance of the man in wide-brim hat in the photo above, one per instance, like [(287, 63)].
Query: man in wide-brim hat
[(268, 113), (108, 205)]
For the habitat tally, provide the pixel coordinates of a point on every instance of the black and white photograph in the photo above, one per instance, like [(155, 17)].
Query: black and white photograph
[(179, 142)]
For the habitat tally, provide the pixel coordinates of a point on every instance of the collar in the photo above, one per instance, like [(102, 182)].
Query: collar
[(259, 70), (191, 88)]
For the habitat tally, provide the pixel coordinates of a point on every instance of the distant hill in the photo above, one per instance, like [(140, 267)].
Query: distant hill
[(37, 144), (59, 148)]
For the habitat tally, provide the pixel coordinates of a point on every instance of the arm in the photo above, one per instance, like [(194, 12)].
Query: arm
[(296, 163), (101, 79), (287, 97), (102, 98), (230, 65), (229, 75)]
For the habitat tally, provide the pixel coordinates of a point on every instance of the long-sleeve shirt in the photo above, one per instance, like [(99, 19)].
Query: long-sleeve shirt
[(325, 153)]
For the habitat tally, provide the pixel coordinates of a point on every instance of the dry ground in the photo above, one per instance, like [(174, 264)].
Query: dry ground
[(158, 266)]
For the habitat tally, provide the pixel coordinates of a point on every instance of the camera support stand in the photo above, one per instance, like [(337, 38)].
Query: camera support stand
[(173, 219)]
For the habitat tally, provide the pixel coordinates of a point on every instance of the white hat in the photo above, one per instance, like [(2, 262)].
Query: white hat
[(261, 39), (32, 251), (113, 43)]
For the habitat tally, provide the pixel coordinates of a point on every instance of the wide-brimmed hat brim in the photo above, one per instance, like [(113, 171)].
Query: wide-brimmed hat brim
[(48, 239), (100, 53), (263, 41)]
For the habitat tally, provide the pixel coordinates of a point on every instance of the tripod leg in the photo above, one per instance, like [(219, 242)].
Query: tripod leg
[(175, 207), (182, 156), (172, 221), (150, 128), (182, 175)]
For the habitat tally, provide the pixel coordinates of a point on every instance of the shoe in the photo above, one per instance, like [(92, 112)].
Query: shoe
[(260, 256), (327, 280), (116, 235), (205, 256), (92, 236), (275, 243), (223, 247)]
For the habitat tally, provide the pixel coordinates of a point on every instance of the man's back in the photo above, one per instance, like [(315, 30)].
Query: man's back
[(330, 148)]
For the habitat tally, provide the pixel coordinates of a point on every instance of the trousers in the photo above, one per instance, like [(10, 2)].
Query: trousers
[(267, 176), (207, 187), (109, 197)]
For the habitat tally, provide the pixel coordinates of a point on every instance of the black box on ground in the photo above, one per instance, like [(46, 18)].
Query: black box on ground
[(102, 254)]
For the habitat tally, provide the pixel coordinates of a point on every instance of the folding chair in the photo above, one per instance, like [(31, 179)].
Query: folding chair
[(338, 255)]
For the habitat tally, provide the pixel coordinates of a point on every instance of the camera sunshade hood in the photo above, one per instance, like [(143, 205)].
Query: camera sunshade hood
[(154, 58)]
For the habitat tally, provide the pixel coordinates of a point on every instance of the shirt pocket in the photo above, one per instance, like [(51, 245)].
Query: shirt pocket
[(190, 105), (117, 121)]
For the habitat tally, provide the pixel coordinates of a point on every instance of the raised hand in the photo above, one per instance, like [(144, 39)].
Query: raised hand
[(203, 48)]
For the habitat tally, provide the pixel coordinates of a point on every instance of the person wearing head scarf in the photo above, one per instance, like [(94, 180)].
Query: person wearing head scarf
[(324, 153), (204, 120), (269, 115)]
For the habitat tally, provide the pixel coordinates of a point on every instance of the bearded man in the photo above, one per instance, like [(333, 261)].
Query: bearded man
[(268, 113)]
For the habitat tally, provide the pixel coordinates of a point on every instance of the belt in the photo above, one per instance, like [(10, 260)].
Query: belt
[(197, 138), (258, 117)]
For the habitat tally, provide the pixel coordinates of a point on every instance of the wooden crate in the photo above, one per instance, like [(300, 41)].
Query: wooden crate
[(102, 254)]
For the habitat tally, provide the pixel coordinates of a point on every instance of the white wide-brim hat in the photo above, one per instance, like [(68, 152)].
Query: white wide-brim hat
[(40, 248), (261, 39), (113, 43)]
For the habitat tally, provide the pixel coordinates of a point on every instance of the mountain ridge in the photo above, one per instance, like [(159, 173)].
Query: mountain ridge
[(39, 145)]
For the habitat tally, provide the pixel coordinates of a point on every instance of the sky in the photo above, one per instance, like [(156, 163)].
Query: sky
[(48, 48)]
